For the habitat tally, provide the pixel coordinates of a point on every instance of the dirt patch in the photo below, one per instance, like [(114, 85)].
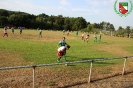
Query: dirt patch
[(47, 36), (56, 77), (11, 58)]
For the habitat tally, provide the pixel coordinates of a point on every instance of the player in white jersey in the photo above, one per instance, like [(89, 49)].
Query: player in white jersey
[(61, 51)]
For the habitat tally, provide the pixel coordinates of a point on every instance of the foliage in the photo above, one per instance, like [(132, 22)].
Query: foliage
[(121, 32), (46, 22), (41, 21)]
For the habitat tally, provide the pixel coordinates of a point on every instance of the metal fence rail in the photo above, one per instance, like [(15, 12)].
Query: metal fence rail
[(68, 63)]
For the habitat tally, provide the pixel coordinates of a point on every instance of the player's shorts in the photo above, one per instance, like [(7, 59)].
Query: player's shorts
[(61, 53), (86, 38)]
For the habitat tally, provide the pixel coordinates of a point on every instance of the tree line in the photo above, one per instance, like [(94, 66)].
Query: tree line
[(46, 22)]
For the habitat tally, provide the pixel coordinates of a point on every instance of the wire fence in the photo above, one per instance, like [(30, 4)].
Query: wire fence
[(90, 77)]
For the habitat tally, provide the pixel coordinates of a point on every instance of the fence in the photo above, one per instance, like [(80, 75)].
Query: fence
[(69, 63)]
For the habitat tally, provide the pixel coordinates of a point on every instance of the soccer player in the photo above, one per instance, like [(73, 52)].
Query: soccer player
[(40, 33), (20, 28), (82, 36), (76, 33), (61, 51), (12, 30), (5, 32), (99, 38), (67, 32), (63, 32), (95, 38), (87, 37), (62, 42)]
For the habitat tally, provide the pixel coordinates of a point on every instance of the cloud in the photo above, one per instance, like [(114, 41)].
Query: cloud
[(30, 7), (94, 3), (17, 5), (100, 2), (81, 10), (86, 11), (64, 2)]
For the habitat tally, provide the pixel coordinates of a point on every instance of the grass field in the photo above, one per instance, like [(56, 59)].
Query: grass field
[(27, 48)]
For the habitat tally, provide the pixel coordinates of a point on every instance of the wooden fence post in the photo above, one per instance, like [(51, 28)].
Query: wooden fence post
[(90, 71), (124, 66), (34, 76)]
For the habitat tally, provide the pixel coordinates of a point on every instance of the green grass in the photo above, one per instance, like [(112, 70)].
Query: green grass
[(41, 52), (44, 52)]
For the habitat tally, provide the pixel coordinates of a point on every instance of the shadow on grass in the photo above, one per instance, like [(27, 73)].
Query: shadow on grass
[(104, 63), (115, 75), (130, 86), (98, 79), (99, 62), (70, 60), (72, 85), (92, 58), (71, 65), (92, 81)]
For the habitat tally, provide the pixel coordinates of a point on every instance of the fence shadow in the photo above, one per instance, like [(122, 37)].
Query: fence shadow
[(72, 85), (115, 75), (78, 83), (130, 86), (98, 62), (92, 81)]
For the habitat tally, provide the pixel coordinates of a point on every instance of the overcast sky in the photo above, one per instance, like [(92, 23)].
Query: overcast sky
[(91, 10)]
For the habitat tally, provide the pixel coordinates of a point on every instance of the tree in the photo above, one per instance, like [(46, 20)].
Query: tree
[(127, 29), (131, 33), (4, 13), (3, 21), (72, 24), (90, 28), (59, 21), (111, 29), (120, 32), (97, 25), (51, 20), (13, 19), (102, 25), (44, 21), (67, 23), (78, 23)]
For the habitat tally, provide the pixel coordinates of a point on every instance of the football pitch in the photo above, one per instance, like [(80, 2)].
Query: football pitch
[(28, 48)]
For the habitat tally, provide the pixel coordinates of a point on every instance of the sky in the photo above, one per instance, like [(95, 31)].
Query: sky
[(93, 11)]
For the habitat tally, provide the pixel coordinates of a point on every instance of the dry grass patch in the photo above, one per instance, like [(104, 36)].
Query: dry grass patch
[(62, 78), (115, 49), (113, 38), (47, 36), (11, 58)]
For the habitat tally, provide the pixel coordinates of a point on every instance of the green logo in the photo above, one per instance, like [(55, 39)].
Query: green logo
[(123, 8)]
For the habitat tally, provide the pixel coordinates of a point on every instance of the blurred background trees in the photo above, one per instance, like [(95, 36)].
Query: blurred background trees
[(46, 22)]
